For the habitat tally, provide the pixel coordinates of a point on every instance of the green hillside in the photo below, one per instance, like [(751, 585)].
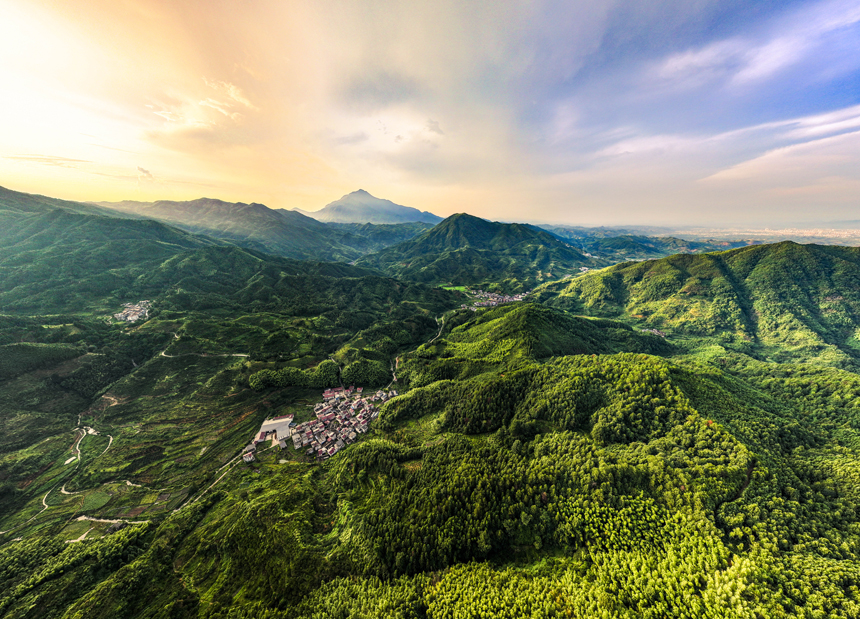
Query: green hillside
[(542, 459), (467, 250), (785, 301), (540, 488), (506, 336), (58, 261)]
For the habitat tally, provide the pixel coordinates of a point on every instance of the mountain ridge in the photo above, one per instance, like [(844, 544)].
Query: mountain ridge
[(254, 225)]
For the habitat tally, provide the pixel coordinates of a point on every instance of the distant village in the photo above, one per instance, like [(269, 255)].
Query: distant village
[(343, 414), (133, 312), (654, 332), (491, 299)]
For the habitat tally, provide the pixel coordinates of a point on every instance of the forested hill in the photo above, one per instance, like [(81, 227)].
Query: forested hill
[(782, 300), (463, 231), (511, 335), (468, 250), (235, 279), (369, 238), (58, 261), (553, 457)]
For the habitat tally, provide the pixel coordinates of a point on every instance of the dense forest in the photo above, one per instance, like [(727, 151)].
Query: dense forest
[(669, 438)]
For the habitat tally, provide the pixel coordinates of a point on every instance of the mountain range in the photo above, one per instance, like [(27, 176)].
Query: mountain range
[(284, 233)]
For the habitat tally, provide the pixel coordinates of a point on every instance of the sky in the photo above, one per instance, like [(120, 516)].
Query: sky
[(684, 112)]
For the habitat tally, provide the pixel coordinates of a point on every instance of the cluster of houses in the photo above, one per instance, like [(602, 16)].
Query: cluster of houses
[(276, 429), (343, 414), (655, 332), (491, 299), (132, 312)]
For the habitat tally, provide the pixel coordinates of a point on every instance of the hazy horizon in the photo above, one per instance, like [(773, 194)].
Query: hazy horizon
[(670, 114)]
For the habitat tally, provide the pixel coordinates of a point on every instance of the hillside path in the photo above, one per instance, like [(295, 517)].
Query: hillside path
[(396, 363), (441, 326), (114, 521)]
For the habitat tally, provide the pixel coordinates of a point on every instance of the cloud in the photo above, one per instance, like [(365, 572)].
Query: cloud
[(144, 175), (232, 91), (838, 121), (223, 108), (354, 138), (827, 157), (193, 123), (611, 104), (433, 127), (50, 160), (806, 35), (85, 166)]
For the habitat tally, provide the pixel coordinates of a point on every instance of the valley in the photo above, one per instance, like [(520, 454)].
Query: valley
[(478, 420)]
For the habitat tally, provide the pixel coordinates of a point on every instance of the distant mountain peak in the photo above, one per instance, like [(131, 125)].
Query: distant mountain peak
[(362, 207)]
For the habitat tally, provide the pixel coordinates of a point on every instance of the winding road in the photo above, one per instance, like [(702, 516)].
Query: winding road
[(202, 354), (396, 364), (114, 521), (441, 326), (198, 354), (82, 431), (76, 449)]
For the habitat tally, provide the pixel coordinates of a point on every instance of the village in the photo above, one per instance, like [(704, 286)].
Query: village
[(134, 311), (343, 414), (491, 299), (655, 332)]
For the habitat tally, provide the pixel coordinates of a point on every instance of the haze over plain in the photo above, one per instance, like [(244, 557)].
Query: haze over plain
[(702, 113)]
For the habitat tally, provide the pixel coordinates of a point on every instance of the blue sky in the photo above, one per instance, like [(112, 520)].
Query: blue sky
[(685, 113)]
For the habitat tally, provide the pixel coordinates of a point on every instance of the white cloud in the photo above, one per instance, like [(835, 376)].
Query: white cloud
[(744, 60), (232, 91), (822, 124), (799, 163), (50, 160)]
